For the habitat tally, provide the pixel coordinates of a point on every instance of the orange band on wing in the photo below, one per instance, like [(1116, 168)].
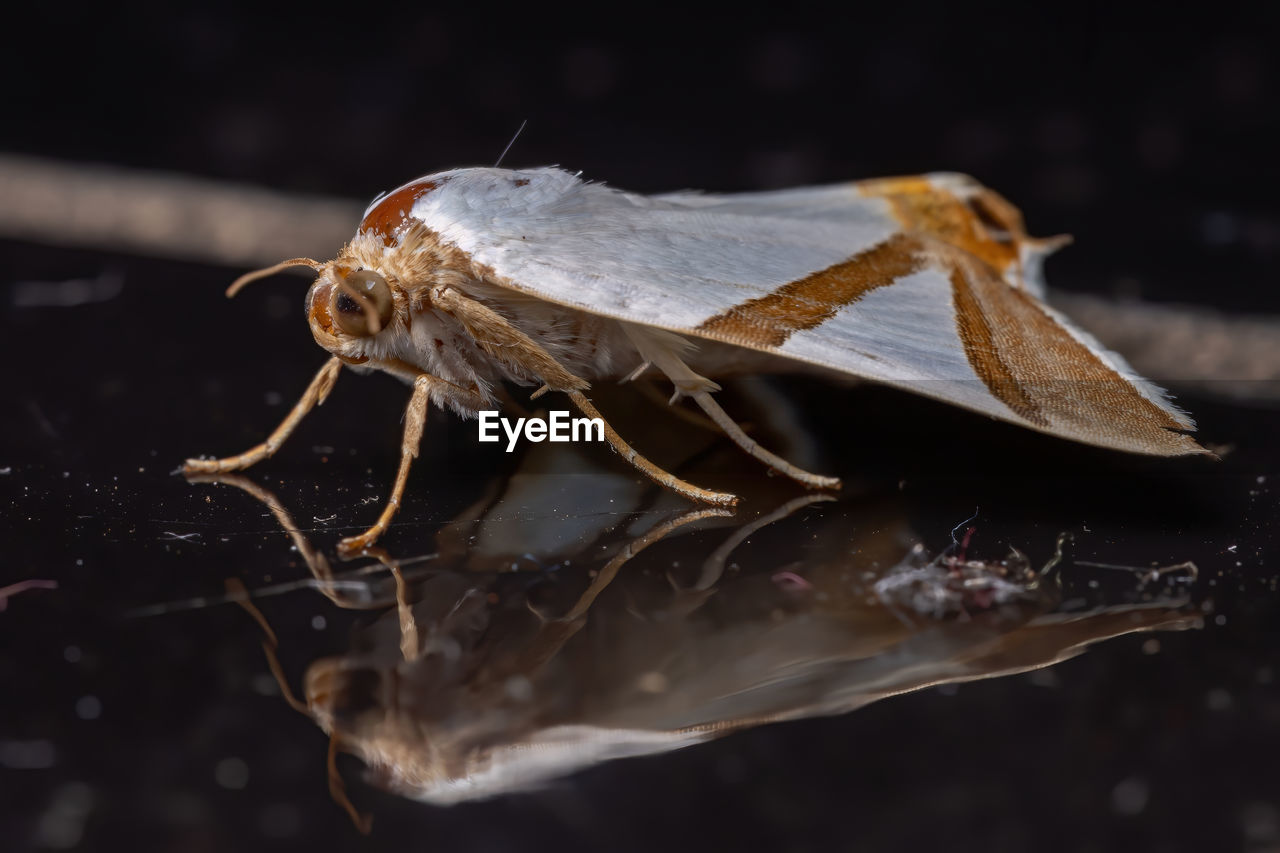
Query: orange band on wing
[(808, 302), (985, 225)]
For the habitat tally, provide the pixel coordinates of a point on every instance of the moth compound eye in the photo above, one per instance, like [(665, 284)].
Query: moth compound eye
[(353, 315)]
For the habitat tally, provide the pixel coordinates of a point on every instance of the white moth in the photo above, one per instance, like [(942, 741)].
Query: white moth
[(462, 280)]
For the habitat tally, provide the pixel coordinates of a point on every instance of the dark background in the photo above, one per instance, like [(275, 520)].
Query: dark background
[(1150, 137)]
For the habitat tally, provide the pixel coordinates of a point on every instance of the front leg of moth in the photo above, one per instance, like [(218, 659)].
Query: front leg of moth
[(426, 389), (315, 394)]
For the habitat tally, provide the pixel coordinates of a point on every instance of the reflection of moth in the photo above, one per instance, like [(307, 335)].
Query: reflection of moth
[(477, 683), (459, 281)]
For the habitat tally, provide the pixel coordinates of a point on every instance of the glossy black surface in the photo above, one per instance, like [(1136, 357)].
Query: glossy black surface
[(122, 730)]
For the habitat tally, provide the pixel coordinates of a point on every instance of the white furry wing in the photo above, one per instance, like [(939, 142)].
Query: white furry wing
[(918, 283)]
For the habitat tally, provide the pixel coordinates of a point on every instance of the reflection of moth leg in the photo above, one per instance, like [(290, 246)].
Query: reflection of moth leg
[(270, 643), (315, 560), (337, 789), (610, 570), (713, 566), (315, 394), (556, 631), (410, 647), (336, 589)]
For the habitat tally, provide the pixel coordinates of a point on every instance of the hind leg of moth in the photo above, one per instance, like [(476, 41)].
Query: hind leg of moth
[(662, 350), (426, 390), (774, 461), (510, 346), (315, 394), (659, 475)]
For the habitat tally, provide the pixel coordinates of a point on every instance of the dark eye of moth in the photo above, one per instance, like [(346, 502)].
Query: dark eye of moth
[(349, 314)]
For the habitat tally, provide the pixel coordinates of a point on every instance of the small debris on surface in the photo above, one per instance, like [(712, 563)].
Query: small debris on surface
[(951, 584), (940, 590), (791, 580)]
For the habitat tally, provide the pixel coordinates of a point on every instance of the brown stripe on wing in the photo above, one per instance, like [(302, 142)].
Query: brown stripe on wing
[(768, 321), (1030, 362), (984, 354)]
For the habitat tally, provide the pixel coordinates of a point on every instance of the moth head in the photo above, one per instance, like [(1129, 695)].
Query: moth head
[(351, 303), (347, 304)]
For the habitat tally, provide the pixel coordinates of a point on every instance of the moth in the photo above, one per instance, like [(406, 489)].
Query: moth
[(460, 281)]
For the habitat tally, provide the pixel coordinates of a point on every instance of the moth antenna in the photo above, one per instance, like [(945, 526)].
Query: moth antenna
[(248, 277), (236, 590), (338, 790), (519, 131), (366, 303)]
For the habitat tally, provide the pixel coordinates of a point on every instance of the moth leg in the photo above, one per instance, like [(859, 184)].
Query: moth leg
[(663, 350), (315, 394), (644, 466), (512, 347), (426, 389), (651, 392), (415, 418), (740, 438)]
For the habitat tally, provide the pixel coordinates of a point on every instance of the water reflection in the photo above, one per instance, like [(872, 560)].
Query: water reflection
[(522, 648)]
